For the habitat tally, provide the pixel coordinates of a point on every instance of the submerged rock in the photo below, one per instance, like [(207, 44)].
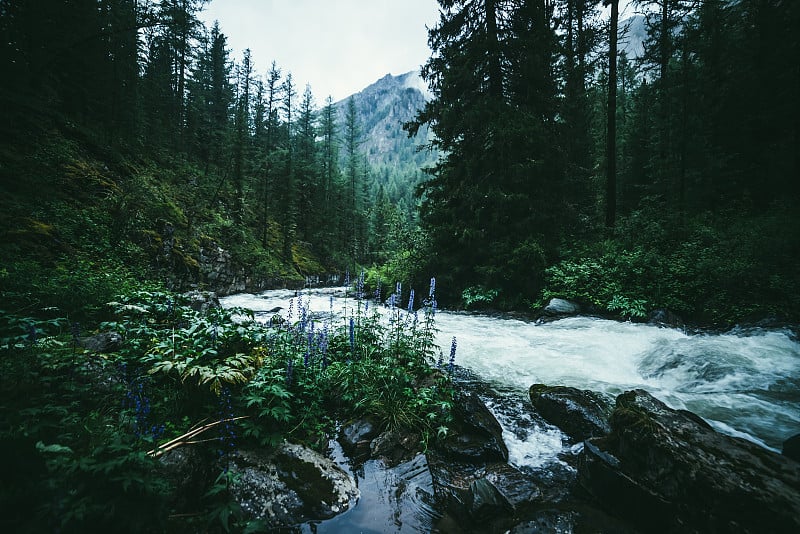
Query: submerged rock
[(290, 485), (579, 413), (668, 471)]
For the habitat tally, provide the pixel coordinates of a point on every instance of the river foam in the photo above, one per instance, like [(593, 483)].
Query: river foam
[(744, 382)]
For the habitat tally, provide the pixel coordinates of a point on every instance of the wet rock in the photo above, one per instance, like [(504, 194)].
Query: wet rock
[(485, 501), (481, 493), (355, 437), (561, 307), (791, 447), (201, 301), (394, 447), (579, 413), (102, 343), (475, 434), (290, 485), (666, 470)]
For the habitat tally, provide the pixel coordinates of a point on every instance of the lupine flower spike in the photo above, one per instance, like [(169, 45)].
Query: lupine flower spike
[(452, 361)]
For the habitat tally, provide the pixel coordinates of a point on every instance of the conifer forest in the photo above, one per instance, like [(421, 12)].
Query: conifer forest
[(627, 164)]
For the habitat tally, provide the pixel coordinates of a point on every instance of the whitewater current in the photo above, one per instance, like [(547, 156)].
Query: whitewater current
[(745, 382)]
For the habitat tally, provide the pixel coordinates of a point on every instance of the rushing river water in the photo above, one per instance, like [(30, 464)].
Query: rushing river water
[(745, 382)]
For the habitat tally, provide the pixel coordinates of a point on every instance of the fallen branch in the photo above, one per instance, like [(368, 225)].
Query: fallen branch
[(187, 438)]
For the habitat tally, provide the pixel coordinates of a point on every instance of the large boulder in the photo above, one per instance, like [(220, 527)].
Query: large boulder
[(579, 413), (668, 471), (559, 307), (475, 435), (290, 485), (481, 494)]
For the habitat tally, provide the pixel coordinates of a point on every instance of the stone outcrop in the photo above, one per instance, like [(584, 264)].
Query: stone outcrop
[(579, 413), (221, 274), (480, 494), (668, 471), (290, 485), (218, 270)]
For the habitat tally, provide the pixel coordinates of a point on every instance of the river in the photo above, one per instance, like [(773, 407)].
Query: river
[(745, 382)]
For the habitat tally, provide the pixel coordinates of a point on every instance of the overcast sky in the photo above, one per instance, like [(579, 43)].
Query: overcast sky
[(337, 46)]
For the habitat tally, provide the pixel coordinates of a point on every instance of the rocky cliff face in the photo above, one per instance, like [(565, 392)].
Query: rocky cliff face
[(382, 108)]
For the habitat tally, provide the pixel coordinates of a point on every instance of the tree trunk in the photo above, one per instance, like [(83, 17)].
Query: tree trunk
[(611, 140)]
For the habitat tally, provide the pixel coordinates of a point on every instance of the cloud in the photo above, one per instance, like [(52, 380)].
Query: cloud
[(339, 47)]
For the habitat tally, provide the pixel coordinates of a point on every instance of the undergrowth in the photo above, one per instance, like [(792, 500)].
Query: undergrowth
[(83, 433)]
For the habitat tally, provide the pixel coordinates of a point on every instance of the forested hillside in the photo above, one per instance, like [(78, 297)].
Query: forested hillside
[(135, 147), (677, 190), (648, 170)]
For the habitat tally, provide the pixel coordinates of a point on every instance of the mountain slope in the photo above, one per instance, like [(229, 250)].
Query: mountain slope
[(382, 108)]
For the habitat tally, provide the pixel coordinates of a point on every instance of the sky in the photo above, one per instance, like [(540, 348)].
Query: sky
[(337, 46)]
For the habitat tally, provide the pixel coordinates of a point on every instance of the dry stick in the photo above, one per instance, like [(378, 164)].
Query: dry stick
[(184, 439)]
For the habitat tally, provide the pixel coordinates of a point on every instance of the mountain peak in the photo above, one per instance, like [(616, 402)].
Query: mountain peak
[(389, 82)]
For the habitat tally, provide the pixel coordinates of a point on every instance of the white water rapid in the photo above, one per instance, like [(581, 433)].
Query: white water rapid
[(744, 382)]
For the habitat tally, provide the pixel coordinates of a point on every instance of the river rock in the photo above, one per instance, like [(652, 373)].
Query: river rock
[(558, 306), (475, 434), (289, 486), (355, 436), (579, 413), (668, 471), (791, 447), (473, 493), (394, 447)]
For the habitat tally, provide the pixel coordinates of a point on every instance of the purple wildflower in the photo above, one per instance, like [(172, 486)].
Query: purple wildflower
[(411, 302), (360, 285), (452, 361)]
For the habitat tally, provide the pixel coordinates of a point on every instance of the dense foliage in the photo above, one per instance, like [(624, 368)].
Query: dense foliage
[(134, 145), (82, 432), (700, 213)]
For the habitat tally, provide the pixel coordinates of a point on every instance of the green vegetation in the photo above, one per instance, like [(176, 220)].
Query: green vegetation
[(82, 432), (679, 193), (138, 160)]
